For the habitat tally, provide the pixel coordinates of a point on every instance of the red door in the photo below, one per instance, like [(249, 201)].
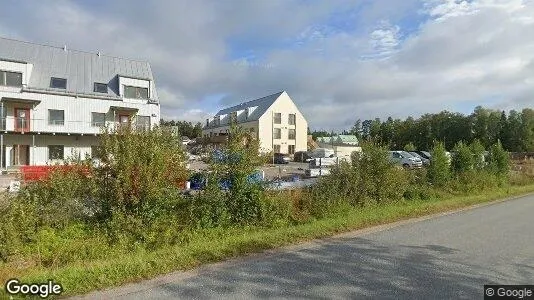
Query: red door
[(22, 119)]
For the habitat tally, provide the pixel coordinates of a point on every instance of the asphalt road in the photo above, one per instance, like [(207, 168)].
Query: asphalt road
[(447, 257)]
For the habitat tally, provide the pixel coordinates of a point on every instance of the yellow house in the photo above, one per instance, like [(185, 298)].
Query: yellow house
[(275, 119)]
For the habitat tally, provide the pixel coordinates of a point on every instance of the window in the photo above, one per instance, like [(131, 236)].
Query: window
[(55, 152), (98, 119), (134, 92), (56, 117), (276, 149), (3, 115), (291, 134), (291, 119), (277, 134), (58, 83), (277, 118), (291, 149), (101, 88), (10, 78), (96, 152), (143, 122)]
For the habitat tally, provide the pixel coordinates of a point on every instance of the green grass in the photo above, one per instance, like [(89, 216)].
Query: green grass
[(218, 244)]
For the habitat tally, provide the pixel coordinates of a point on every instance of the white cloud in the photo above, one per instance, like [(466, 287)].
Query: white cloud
[(466, 51)]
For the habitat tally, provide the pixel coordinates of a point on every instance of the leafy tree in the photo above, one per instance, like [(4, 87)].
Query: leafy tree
[(409, 147), (439, 169), (357, 129), (477, 149), (462, 160), (499, 160)]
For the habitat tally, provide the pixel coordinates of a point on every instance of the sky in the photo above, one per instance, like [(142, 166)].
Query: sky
[(339, 60)]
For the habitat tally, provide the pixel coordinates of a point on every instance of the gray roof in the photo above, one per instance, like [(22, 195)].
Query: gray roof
[(81, 69), (261, 104)]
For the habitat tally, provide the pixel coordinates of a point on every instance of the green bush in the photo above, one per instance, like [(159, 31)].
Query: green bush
[(207, 209), (137, 168), (381, 181), (439, 169), (499, 160), (370, 179), (409, 147), (478, 154), (462, 160)]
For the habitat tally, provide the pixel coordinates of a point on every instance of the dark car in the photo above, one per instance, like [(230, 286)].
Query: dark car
[(424, 154), (426, 161), (280, 158), (301, 156)]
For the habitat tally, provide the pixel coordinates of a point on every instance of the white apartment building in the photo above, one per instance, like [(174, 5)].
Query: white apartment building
[(275, 119), (54, 101)]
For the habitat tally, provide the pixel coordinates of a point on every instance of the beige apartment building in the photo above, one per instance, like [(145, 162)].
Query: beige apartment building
[(275, 119)]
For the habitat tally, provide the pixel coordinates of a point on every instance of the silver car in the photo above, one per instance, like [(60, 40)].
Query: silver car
[(405, 159)]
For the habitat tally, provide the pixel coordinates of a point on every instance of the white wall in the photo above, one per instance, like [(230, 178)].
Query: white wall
[(25, 69), (77, 111), (39, 150), (285, 106)]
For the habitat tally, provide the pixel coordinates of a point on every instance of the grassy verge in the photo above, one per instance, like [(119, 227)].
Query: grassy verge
[(216, 245)]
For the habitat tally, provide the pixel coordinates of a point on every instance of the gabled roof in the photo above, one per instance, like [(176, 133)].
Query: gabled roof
[(261, 104), (81, 69), (347, 138)]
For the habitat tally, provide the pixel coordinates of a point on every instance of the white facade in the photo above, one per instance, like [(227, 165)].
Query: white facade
[(276, 121), (42, 125)]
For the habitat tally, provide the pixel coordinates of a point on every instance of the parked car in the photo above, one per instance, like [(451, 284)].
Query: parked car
[(199, 180), (280, 158), (185, 140), (426, 161), (405, 159), (424, 154), (322, 153), (302, 156)]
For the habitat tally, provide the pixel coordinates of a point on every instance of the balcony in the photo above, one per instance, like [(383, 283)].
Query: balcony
[(27, 125)]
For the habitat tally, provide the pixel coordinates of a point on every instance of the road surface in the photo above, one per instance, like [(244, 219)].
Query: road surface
[(447, 257)]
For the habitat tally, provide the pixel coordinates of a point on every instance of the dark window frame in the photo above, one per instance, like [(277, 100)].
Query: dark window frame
[(102, 85), (290, 136), (4, 81), (56, 157), (137, 92), (55, 122), (292, 121), (276, 119), (57, 80), (97, 123), (277, 136)]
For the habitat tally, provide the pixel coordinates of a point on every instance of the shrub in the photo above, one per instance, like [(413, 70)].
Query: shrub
[(136, 170), (462, 160), (234, 164), (478, 154), (439, 169), (499, 160), (380, 179), (208, 208), (409, 147)]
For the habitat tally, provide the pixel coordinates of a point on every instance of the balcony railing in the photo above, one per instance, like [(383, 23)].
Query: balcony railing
[(26, 125)]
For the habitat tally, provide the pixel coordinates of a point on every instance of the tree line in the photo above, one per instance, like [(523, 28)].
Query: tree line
[(515, 129), (185, 128)]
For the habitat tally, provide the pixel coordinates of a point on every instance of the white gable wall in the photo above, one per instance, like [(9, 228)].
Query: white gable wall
[(285, 106)]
